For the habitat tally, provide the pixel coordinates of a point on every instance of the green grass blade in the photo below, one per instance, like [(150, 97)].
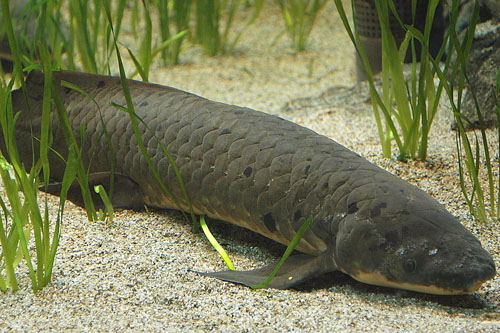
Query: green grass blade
[(383, 134), (138, 66), (20, 217), (145, 53), (299, 17), (134, 119), (215, 244), (70, 139), (8, 251), (82, 35), (112, 154), (182, 14), (174, 167), (99, 189), (164, 23), (46, 108), (296, 239), (257, 6)]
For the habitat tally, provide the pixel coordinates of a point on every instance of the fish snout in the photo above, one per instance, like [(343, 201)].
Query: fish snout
[(480, 272), (473, 268)]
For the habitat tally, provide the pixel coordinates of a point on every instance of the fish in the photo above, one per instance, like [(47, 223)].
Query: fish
[(262, 173)]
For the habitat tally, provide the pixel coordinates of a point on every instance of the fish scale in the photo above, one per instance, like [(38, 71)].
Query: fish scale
[(266, 174)]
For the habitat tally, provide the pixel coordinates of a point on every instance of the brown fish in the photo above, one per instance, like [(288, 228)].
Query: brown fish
[(268, 175)]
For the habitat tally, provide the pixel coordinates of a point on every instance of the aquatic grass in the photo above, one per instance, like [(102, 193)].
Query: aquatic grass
[(164, 24), (16, 218), (145, 56), (231, 45), (90, 32), (143, 68), (87, 42), (207, 25), (108, 213), (181, 12), (386, 135), (22, 218), (291, 246), (474, 156), (416, 101), (84, 33), (215, 244), (74, 31), (170, 44), (422, 94), (79, 39), (82, 174), (23, 222), (474, 159), (134, 118), (299, 17), (210, 15)]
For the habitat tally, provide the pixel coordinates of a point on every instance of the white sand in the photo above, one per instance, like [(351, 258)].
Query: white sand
[(134, 274)]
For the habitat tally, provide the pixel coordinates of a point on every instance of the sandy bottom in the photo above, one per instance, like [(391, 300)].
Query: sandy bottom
[(134, 274)]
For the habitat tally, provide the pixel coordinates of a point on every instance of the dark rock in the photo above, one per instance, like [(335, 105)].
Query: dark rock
[(482, 68), (494, 7), (483, 63)]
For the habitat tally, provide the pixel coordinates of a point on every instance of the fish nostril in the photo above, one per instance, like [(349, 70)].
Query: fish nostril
[(490, 270), (485, 271)]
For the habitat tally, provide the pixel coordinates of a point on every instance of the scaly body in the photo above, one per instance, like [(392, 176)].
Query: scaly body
[(268, 175)]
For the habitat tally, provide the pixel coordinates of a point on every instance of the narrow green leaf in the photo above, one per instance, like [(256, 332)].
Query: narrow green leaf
[(215, 244), (296, 239), (99, 189)]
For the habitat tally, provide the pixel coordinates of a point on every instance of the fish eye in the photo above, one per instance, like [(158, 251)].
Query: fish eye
[(410, 265)]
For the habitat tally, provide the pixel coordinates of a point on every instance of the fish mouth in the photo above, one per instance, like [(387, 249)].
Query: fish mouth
[(378, 279)]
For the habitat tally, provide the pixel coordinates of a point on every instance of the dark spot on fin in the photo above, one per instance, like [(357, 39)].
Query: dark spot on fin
[(101, 84), (269, 222), (248, 171), (145, 103), (352, 208), (239, 112), (306, 170), (296, 269), (126, 192)]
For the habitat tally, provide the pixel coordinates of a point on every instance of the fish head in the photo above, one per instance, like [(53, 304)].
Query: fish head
[(409, 241)]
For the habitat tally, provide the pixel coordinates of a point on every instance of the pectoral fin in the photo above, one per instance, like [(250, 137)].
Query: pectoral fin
[(296, 269), (126, 192)]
